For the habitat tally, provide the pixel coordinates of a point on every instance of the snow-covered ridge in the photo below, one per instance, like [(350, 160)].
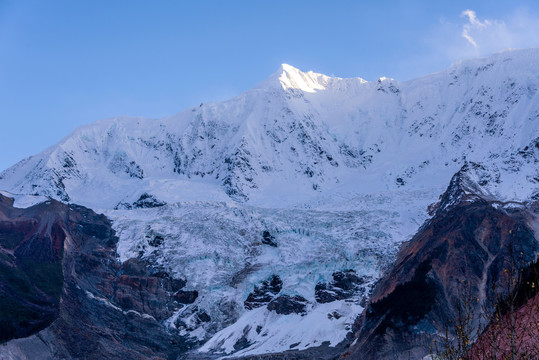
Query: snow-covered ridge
[(24, 200), (291, 78), (298, 135)]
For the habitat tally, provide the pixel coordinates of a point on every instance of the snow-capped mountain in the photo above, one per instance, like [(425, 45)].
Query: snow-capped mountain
[(298, 134), (281, 207)]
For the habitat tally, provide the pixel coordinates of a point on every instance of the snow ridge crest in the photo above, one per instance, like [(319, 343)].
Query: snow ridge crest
[(293, 78)]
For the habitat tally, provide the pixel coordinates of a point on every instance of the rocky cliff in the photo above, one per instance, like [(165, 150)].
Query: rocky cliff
[(457, 255), (65, 294)]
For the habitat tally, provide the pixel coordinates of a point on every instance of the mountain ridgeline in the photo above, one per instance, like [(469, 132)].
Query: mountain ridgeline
[(300, 132)]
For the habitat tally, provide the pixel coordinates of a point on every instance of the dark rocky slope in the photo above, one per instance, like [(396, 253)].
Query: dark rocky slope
[(64, 290), (466, 243), (31, 251)]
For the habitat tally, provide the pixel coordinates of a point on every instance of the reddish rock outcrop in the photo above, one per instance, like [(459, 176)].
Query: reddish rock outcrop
[(465, 244), (31, 250), (513, 331)]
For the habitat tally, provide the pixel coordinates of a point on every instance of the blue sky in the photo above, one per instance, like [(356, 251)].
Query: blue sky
[(67, 63)]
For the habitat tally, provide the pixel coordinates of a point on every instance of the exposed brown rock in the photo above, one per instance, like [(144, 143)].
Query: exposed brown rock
[(466, 243)]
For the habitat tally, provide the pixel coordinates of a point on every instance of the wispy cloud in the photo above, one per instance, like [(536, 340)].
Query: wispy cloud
[(468, 34), (473, 25), (473, 35)]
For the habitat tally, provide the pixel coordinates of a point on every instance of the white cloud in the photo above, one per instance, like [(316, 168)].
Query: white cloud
[(473, 25), (472, 17), (474, 36), (466, 35)]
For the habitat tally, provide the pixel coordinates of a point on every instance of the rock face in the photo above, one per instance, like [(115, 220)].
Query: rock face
[(263, 294), (268, 239), (286, 304), (466, 243), (31, 279), (345, 284), (60, 280)]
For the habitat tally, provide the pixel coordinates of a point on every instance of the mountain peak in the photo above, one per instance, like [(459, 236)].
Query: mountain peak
[(290, 77), (293, 78), (288, 68)]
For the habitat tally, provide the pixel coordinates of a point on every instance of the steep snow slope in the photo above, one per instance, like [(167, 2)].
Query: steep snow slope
[(298, 134), (304, 177)]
